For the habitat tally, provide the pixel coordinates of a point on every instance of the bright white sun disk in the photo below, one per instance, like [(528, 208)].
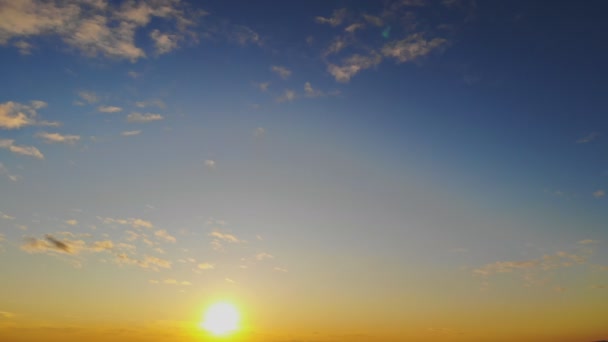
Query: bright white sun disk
[(221, 319)]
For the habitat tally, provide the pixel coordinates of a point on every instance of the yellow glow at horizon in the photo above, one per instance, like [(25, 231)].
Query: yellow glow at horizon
[(221, 319)]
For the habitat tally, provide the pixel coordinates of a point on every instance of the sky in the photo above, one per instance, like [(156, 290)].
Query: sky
[(357, 171)]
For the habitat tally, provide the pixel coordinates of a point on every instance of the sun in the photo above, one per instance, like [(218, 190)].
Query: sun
[(221, 319)]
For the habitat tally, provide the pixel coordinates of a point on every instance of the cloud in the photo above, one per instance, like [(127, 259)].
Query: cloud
[(374, 20), (206, 266), (263, 86), (71, 222), (411, 48), (153, 102), (6, 216), (310, 91), (588, 242), (354, 27), (24, 47), (99, 246), (210, 163), (51, 244), (283, 72), (336, 19), (149, 262), (263, 256), (288, 96), (259, 132), (88, 96), (163, 42), (143, 118), (93, 28), (225, 237), (30, 151), (599, 193), (15, 115), (134, 74), (51, 138), (164, 235), (243, 35), (337, 45), (532, 267), (133, 222), (588, 138), (130, 133), (6, 314), (2, 237), (109, 109), (353, 65), (280, 269), (5, 171)]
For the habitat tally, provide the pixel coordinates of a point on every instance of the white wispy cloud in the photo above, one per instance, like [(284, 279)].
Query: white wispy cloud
[(287, 96), (71, 222), (263, 256), (210, 163), (133, 222), (14, 115), (51, 138), (282, 71), (599, 193), (225, 237), (310, 91), (588, 138), (109, 109), (163, 234), (143, 118), (412, 47), (336, 19), (88, 96), (5, 172), (353, 65), (206, 266), (130, 133), (164, 42), (588, 242), (262, 86), (30, 151)]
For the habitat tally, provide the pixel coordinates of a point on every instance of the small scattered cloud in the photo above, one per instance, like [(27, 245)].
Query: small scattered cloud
[(51, 244), (100, 246), (88, 96), (280, 269), (71, 222), (259, 132), (288, 96), (588, 242), (164, 42), (311, 92), (282, 71), (210, 163), (4, 171), (588, 138), (412, 47), (225, 237), (15, 115), (599, 193), (109, 109), (51, 138), (143, 118), (148, 262), (206, 266), (6, 216), (353, 65), (337, 18), (163, 234), (263, 256), (130, 133), (30, 151), (133, 222), (24, 47), (152, 102), (262, 86), (134, 74), (6, 314)]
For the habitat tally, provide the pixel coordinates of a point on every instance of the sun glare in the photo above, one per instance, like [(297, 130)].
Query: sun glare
[(221, 319)]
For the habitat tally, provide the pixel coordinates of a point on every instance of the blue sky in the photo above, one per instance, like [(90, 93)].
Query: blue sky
[(419, 141)]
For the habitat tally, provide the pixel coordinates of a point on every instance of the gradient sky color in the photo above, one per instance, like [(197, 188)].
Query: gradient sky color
[(355, 171)]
